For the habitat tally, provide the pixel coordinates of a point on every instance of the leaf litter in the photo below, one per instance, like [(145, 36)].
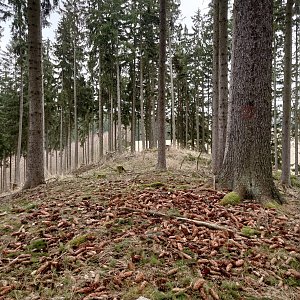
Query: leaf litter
[(123, 237)]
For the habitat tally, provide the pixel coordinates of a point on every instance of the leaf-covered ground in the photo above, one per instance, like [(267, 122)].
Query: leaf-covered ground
[(109, 235)]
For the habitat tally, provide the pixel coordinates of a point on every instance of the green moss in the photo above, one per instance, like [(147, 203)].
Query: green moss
[(231, 198), (291, 281), (230, 290), (38, 245), (295, 181), (155, 185), (248, 231), (78, 240), (272, 205), (277, 175)]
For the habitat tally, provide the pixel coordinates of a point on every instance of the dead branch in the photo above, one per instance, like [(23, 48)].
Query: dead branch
[(197, 222)]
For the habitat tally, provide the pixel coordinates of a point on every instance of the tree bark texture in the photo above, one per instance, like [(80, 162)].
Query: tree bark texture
[(161, 114), (119, 109), (286, 121), (247, 167), (215, 102), (296, 115), (223, 79), (100, 112), (35, 158)]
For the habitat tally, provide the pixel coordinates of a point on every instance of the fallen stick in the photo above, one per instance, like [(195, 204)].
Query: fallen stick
[(197, 222)]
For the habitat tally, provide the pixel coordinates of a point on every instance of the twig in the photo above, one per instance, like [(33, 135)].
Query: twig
[(197, 222)]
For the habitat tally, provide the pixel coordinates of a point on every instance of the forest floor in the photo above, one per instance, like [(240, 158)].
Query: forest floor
[(105, 234)]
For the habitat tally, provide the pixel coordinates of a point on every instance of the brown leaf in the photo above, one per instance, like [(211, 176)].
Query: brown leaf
[(172, 271), (43, 268), (293, 273), (139, 277), (125, 275), (214, 294), (143, 285), (6, 289), (229, 267), (198, 284), (239, 263)]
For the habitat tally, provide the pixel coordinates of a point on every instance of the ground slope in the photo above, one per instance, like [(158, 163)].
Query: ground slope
[(110, 234)]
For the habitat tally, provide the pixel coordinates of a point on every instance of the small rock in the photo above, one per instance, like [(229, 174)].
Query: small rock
[(142, 298)]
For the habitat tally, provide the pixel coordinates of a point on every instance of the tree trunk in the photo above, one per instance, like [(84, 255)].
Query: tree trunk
[(296, 103), (61, 143), (247, 167), (203, 119), (275, 113), (35, 164), (223, 79), (133, 115), (286, 119), (161, 114), (197, 119), (142, 125), (215, 103), (100, 112), (119, 109), (92, 141), (172, 92), (75, 109), (21, 109)]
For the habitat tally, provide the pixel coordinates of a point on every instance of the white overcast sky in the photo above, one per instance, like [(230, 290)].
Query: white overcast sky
[(188, 9)]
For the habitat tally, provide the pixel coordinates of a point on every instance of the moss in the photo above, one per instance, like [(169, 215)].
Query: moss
[(230, 290), (277, 175), (248, 231), (38, 245), (272, 205), (78, 240), (101, 176), (231, 198), (155, 185), (295, 181)]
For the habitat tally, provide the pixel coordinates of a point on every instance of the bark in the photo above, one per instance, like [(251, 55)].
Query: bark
[(92, 142), (21, 109), (161, 114), (100, 112), (197, 119), (275, 114), (35, 157), (110, 124), (172, 93), (247, 167), (61, 143), (142, 125), (296, 103), (187, 119), (286, 121), (75, 109), (203, 120), (119, 110), (133, 106), (215, 102), (223, 79)]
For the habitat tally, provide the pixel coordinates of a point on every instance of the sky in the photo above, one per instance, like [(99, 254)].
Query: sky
[(188, 9)]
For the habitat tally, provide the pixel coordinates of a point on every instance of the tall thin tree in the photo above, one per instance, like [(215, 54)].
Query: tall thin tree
[(215, 103), (161, 110), (35, 156), (286, 122)]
